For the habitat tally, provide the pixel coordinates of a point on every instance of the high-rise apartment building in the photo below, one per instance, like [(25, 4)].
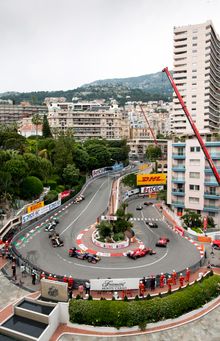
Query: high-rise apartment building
[(190, 181), (196, 73)]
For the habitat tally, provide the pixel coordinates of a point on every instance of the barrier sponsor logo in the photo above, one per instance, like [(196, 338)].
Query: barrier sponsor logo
[(109, 217), (30, 216), (35, 206), (114, 284), (151, 179), (54, 290), (151, 189)]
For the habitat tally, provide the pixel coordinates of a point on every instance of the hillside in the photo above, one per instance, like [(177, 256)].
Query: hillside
[(143, 88)]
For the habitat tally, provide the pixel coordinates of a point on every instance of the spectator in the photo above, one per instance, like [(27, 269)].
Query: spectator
[(87, 287), (22, 269), (81, 289), (33, 275)]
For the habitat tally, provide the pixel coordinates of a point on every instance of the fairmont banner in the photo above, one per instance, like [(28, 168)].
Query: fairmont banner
[(114, 284), (151, 189)]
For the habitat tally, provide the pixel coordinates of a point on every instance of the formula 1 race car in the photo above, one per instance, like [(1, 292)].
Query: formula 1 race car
[(148, 203), (139, 208), (216, 244), (162, 242), (91, 258), (150, 224), (138, 253), (50, 227), (55, 239)]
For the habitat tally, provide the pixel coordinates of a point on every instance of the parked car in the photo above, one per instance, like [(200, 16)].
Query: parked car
[(150, 224), (56, 240), (162, 242), (138, 253), (139, 208), (91, 258), (216, 244)]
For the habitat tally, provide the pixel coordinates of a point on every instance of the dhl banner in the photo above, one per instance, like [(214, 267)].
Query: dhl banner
[(151, 179), (35, 206)]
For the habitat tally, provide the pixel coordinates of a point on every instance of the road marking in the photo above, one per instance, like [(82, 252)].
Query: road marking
[(130, 268), (82, 210)]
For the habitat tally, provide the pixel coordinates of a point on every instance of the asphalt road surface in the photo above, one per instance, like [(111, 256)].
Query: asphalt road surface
[(178, 255)]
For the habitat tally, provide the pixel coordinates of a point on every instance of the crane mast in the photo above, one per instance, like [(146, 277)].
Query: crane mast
[(189, 117), (151, 130)]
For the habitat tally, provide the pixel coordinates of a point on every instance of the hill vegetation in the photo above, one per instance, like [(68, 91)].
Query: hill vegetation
[(150, 87)]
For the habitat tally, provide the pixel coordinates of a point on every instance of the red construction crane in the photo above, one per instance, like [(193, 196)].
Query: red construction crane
[(151, 130), (199, 138)]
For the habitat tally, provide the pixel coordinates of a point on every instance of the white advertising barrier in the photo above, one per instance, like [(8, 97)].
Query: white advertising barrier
[(114, 284), (98, 171), (30, 216), (151, 189)]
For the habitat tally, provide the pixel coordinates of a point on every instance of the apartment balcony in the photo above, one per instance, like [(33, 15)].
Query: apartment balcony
[(215, 156), (209, 171), (179, 144), (208, 208), (208, 195), (212, 183), (178, 180), (178, 204), (178, 192), (178, 169), (213, 144), (179, 156)]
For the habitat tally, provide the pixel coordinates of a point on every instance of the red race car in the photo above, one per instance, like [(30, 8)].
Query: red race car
[(138, 253), (216, 244), (162, 242)]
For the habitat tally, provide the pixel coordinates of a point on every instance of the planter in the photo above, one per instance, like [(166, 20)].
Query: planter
[(115, 245)]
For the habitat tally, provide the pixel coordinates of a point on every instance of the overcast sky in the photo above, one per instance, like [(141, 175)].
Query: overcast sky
[(62, 44)]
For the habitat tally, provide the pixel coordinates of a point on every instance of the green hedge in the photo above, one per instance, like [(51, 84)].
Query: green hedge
[(127, 314)]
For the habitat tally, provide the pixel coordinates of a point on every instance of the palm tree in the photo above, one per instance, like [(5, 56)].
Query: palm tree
[(36, 120)]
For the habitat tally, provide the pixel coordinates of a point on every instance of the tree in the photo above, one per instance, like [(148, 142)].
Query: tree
[(153, 153), (80, 157), (101, 153), (46, 128), (192, 219), (105, 229), (18, 169), (36, 120), (5, 183), (71, 175), (46, 169), (31, 187)]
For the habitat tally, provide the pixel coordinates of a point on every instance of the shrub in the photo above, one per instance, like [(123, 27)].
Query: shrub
[(118, 236), (31, 187), (139, 312), (50, 197), (52, 184), (60, 188)]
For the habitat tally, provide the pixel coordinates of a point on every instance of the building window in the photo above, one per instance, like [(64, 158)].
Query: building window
[(194, 175), (193, 200), (194, 162), (194, 149), (194, 187)]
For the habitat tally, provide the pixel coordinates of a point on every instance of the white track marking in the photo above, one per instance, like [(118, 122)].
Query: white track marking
[(82, 210)]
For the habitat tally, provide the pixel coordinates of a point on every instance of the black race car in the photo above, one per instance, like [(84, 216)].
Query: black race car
[(91, 258), (150, 224), (56, 241)]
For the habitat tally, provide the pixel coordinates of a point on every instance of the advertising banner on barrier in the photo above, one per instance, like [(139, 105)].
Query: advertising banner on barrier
[(108, 217), (35, 206), (114, 284), (98, 171), (151, 189), (30, 216), (151, 179)]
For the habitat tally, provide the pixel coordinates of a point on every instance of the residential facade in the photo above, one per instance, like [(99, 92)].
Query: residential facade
[(196, 72), (190, 181), (86, 119)]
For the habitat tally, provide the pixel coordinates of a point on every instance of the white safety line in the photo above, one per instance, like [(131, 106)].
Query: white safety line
[(82, 210)]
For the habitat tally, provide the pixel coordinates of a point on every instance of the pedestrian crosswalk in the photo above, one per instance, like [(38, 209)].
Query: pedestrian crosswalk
[(145, 219)]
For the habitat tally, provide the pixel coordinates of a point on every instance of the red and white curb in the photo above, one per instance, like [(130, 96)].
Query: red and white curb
[(83, 247)]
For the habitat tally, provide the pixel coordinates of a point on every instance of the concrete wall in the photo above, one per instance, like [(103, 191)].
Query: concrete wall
[(54, 321), (31, 315)]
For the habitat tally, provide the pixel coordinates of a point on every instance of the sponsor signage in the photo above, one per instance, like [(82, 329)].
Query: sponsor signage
[(35, 206), (151, 179), (65, 194), (30, 216), (179, 230), (151, 189), (114, 284), (108, 217), (98, 171)]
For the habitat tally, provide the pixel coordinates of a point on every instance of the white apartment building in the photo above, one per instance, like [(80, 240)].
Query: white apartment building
[(190, 181), (196, 72), (87, 119)]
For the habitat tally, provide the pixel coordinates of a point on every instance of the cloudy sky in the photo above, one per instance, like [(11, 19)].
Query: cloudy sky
[(62, 44)]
